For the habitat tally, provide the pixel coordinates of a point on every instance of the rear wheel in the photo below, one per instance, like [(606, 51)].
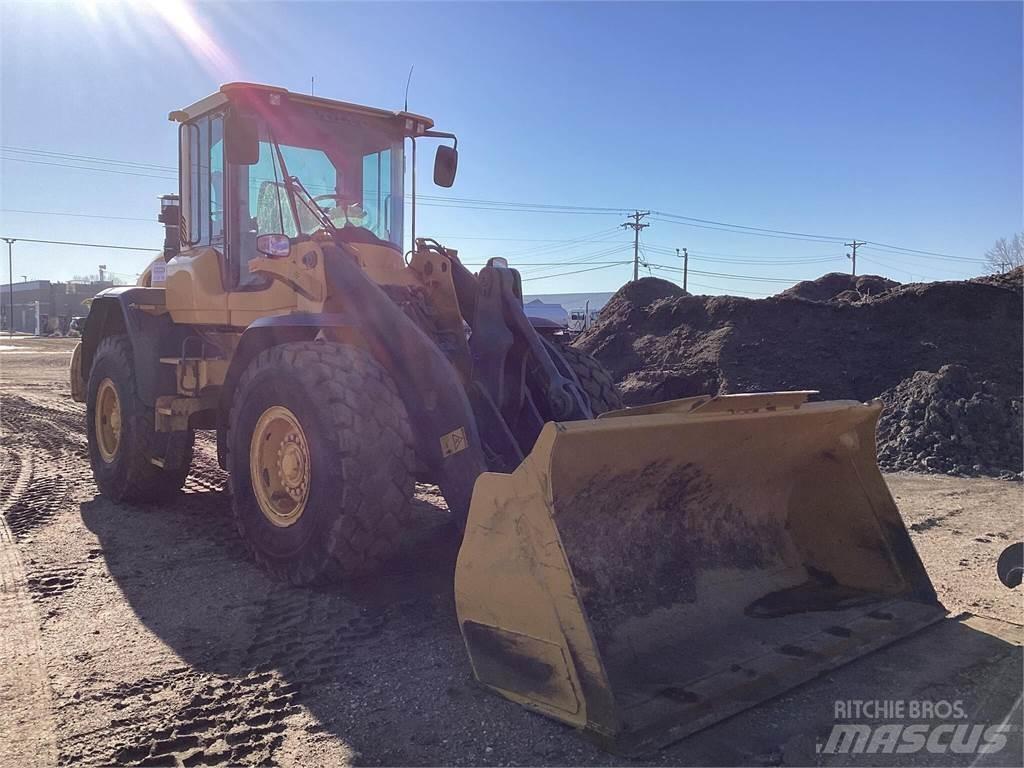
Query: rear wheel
[(595, 379), (321, 461), (131, 461)]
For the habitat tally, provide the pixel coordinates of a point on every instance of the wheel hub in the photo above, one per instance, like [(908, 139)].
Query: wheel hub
[(291, 466), (108, 420), (279, 464)]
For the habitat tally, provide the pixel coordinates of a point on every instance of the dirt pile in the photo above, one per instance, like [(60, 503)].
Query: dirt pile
[(950, 421), (838, 286), (660, 344)]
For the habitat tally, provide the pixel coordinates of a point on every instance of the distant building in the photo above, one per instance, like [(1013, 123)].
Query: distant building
[(58, 304), (582, 308), (553, 313)]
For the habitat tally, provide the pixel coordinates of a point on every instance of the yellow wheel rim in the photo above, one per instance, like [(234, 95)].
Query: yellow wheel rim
[(108, 420), (279, 466)]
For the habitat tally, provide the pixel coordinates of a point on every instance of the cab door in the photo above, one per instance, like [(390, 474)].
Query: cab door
[(259, 206), (195, 291)]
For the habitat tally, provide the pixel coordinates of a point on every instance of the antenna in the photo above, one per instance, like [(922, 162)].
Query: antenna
[(312, 79), (407, 81)]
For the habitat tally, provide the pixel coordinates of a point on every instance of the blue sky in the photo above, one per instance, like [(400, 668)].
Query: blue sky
[(896, 123)]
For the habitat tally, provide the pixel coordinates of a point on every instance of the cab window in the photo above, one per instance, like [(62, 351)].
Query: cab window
[(217, 207), (203, 181)]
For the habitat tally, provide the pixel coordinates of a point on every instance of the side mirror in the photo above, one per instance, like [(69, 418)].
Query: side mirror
[(241, 140), (446, 162), (274, 246)]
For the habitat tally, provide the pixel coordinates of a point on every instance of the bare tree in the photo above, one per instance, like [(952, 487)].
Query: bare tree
[(1006, 254)]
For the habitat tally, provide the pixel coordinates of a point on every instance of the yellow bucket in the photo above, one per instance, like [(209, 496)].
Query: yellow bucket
[(661, 568)]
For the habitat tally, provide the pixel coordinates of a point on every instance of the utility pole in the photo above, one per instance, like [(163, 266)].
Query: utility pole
[(636, 226), (10, 284), (853, 256), (686, 265)]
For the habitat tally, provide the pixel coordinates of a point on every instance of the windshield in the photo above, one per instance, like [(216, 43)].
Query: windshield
[(351, 168)]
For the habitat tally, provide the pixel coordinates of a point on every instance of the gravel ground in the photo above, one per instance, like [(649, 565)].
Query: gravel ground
[(146, 636)]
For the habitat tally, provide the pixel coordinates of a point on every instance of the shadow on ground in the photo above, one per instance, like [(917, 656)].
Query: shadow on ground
[(382, 667)]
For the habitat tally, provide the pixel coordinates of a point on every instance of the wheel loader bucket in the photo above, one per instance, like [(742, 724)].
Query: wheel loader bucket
[(654, 571)]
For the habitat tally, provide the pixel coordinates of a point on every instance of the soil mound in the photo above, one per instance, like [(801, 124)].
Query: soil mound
[(660, 344), (950, 421), (837, 286)]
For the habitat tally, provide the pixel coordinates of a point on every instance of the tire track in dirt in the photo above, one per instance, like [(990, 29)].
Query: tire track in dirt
[(51, 443), (27, 730), (206, 474), (183, 716), (234, 719)]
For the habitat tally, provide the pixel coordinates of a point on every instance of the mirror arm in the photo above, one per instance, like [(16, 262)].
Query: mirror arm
[(443, 135)]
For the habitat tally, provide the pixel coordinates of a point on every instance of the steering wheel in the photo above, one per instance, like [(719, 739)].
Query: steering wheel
[(339, 206)]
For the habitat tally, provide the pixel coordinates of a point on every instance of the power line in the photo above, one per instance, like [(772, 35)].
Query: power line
[(85, 245), (436, 201), (595, 237), (574, 272), (741, 231), (913, 252), (558, 242), (765, 230), (82, 168), (585, 258), (725, 256), (88, 158), (495, 205), (157, 250), (712, 256), (731, 291), (151, 220), (426, 201), (886, 266), (736, 277), (540, 264), (498, 239), (505, 203), (663, 267), (581, 258)]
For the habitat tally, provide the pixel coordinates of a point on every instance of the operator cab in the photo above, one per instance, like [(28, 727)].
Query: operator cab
[(257, 160)]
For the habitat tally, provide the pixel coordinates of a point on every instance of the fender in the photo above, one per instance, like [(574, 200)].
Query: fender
[(271, 331), (116, 311)]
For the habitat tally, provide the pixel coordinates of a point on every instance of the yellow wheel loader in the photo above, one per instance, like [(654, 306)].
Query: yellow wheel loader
[(639, 575)]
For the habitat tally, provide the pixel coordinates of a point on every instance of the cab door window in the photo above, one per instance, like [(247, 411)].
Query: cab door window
[(216, 165), (377, 194), (204, 182)]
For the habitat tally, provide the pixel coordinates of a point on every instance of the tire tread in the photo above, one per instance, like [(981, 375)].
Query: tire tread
[(360, 407)]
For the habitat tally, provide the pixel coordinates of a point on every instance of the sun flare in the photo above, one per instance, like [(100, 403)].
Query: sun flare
[(153, 19)]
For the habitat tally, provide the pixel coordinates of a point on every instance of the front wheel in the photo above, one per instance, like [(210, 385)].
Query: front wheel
[(321, 461)]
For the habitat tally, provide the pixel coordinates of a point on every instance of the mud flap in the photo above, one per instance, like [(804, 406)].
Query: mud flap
[(644, 576)]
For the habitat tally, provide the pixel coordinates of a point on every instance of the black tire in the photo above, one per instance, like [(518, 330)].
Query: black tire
[(595, 380), (360, 455), (130, 476)]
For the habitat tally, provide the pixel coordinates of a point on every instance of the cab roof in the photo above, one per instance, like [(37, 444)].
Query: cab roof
[(414, 124)]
